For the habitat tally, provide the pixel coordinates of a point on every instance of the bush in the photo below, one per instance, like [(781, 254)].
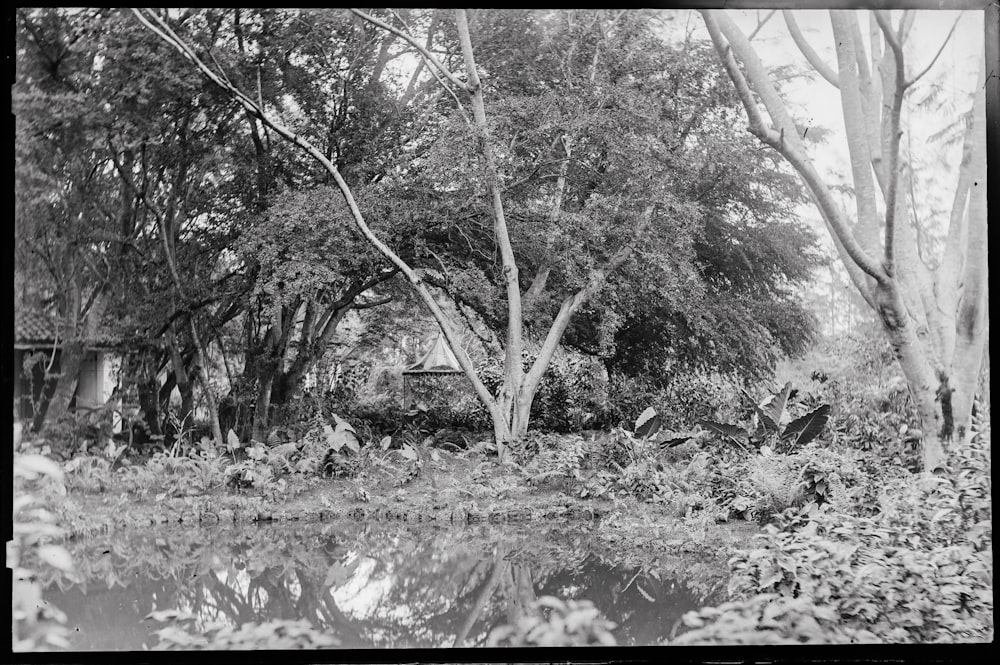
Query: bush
[(570, 397), (769, 619), (872, 409), (681, 399), (920, 570), (761, 487)]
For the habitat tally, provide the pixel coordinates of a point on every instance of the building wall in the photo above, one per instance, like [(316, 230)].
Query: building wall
[(98, 379), (91, 386)]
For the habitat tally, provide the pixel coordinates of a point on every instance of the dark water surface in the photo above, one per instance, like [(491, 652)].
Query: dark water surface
[(378, 585)]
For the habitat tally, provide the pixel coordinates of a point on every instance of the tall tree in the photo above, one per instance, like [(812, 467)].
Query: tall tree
[(62, 228), (577, 138), (509, 411), (936, 321), (576, 229)]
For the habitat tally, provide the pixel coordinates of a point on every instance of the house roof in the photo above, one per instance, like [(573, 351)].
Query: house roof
[(33, 327), (438, 360)]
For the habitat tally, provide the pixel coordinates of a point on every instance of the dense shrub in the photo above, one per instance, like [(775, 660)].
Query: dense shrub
[(920, 570), (276, 634), (759, 487), (681, 399), (770, 619), (570, 397), (872, 409), (385, 417)]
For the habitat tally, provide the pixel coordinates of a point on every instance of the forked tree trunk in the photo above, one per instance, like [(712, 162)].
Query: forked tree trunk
[(510, 410), (936, 323)]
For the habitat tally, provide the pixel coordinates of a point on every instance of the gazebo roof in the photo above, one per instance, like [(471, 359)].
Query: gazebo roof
[(438, 360)]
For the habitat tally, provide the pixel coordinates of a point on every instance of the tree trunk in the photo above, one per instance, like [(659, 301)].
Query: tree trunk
[(262, 407), (937, 327), (149, 406), (206, 386), (181, 376), (925, 388), (70, 359)]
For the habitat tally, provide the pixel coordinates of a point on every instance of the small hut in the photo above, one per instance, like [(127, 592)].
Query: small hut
[(38, 339), (434, 379)]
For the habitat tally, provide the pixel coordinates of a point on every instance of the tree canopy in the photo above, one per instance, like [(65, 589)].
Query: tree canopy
[(641, 222)]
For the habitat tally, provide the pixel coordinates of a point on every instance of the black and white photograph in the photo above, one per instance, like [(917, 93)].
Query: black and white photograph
[(438, 332)]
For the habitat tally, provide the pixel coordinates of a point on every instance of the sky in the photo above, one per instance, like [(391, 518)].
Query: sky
[(818, 103)]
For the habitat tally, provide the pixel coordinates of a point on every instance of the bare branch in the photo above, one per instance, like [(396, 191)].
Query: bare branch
[(807, 50), (513, 368), (430, 57), (892, 169), (936, 55), (373, 303), (596, 280), (786, 142), (761, 23), (891, 38)]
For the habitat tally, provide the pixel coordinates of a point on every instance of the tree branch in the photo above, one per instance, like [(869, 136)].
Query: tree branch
[(936, 55), (892, 169), (787, 143), (760, 24), (430, 57), (807, 50), (160, 28), (513, 370)]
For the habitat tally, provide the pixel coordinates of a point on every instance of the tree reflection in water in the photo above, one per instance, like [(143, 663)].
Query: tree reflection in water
[(379, 585)]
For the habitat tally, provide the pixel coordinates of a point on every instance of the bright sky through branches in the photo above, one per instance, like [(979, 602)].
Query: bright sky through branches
[(814, 102)]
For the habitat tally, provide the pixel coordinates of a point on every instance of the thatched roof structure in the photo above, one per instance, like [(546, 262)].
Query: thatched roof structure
[(438, 360)]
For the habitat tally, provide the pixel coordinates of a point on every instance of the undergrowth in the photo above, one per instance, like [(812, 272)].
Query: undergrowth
[(917, 570)]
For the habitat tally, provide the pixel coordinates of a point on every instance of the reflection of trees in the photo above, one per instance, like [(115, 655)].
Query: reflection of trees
[(431, 589), (501, 567), (624, 598)]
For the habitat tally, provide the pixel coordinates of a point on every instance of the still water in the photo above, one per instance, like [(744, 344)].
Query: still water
[(377, 585)]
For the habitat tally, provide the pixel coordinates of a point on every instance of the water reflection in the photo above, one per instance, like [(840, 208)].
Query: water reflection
[(369, 585)]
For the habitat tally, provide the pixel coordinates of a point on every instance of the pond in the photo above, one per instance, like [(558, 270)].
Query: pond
[(370, 585)]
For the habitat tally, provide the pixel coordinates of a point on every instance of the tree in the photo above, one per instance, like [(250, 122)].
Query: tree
[(578, 137), (509, 411), (61, 225), (601, 202), (935, 321), (308, 279)]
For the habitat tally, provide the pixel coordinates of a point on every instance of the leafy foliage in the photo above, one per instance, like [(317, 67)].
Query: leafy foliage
[(920, 570), (768, 426), (770, 619), (37, 625), (680, 397)]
